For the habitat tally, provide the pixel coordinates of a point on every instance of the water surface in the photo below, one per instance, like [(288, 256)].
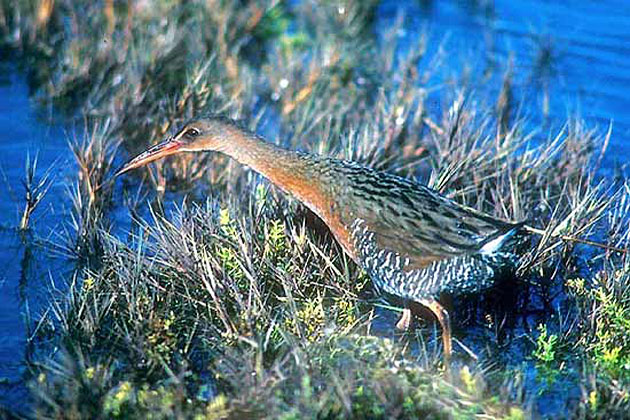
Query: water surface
[(27, 269), (570, 58)]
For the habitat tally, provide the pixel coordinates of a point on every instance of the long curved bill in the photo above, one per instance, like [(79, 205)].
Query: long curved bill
[(167, 147)]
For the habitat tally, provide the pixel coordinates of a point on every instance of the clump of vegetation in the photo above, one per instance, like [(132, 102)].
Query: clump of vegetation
[(36, 186), (548, 362), (604, 328), (201, 291)]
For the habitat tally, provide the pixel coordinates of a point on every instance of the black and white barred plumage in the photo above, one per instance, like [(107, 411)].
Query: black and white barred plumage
[(466, 273)]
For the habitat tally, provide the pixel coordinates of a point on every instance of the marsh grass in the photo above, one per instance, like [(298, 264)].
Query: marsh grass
[(89, 194), (226, 298), (35, 188)]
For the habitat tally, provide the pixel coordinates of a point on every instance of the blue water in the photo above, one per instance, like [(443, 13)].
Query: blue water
[(569, 58), (574, 53), (27, 265)]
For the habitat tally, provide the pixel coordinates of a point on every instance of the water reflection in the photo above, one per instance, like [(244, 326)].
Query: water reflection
[(25, 265)]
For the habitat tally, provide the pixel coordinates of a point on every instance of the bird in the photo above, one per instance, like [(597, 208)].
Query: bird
[(414, 243)]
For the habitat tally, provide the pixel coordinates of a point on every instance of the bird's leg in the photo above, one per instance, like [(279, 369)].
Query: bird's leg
[(445, 322), (404, 322)]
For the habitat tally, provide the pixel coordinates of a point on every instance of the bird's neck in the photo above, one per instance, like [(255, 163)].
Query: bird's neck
[(295, 173), (308, 177)]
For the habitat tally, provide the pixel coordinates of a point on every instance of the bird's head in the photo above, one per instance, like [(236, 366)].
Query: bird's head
[(198, 134)]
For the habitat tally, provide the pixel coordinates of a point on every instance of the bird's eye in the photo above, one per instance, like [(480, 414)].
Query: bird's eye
[(192, 132)]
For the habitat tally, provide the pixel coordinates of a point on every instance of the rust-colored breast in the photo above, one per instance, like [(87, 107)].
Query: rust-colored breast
[(312, 184), (341, 231)]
